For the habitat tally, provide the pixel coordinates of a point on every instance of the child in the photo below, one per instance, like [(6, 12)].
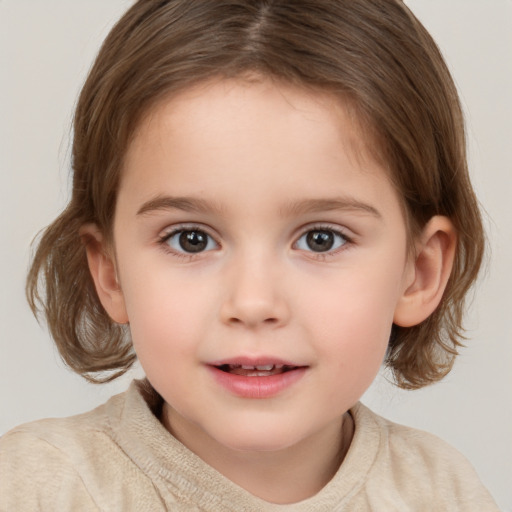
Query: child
[(269, 199)]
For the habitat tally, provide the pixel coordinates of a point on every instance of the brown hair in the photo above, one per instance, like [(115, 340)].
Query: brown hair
[(373, 52)]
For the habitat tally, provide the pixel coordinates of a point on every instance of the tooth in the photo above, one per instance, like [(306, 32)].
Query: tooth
[(247, 367), (266, 367)]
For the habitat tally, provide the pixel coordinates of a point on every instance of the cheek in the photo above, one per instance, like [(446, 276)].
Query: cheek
[(164, 316), (165, 338), (358, 305), (355, 345), (354, 319)]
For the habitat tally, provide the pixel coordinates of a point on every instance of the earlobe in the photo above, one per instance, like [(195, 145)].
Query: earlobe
[(103, 271), (432, 266)]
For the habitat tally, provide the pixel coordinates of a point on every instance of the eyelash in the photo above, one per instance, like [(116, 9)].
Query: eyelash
[(163, 241), (336, 231)]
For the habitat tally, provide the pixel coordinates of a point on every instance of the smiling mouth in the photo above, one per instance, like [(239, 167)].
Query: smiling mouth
[(260, 378), (266, 370)]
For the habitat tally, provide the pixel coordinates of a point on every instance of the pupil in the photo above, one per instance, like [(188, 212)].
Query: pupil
[(193, 241), (320, 241)]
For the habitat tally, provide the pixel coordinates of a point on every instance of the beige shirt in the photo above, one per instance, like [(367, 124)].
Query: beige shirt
[(119, 457)]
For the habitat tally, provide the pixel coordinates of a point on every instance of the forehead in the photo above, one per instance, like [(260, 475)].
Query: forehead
[(245, 100), (260, 138)]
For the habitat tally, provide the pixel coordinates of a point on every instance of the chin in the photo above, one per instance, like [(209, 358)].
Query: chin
[(260, 438)]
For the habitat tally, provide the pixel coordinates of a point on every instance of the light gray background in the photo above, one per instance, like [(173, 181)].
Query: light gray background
[(46, 48)]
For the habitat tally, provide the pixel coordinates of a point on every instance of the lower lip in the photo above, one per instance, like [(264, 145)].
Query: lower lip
[(257, 387)]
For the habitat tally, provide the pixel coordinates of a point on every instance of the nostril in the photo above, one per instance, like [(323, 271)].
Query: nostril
[(270, 321)]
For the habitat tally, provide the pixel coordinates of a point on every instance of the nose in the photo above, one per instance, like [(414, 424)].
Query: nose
[(255, 295)]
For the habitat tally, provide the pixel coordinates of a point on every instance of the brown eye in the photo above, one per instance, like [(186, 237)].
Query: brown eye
[(191, 241), (321, 240)]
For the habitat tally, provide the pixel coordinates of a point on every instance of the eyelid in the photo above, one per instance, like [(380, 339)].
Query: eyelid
[(185, 226), (326, 226)]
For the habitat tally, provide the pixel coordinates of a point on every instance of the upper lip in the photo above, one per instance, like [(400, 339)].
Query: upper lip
[(255, 361)]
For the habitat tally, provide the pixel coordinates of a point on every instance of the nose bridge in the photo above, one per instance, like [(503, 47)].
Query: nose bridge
[(254, 293)]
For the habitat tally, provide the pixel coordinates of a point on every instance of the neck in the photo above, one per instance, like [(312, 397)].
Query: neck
[(286, 476)]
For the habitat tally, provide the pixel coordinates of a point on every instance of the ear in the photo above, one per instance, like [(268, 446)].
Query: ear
[(103, 271), (429, 272)]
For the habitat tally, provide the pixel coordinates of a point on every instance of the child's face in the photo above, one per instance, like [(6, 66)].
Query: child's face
[(253, 229)]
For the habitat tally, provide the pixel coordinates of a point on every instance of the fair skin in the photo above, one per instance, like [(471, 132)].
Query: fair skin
[(253, 228)]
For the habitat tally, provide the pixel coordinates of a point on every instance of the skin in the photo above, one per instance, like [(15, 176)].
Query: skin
[(261, 165)]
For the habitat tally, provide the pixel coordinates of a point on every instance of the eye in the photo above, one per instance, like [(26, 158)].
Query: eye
[(190, 241), (321, 240)]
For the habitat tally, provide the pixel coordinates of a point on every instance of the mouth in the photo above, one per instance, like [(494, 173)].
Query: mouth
[(257, 378), (266, 370)]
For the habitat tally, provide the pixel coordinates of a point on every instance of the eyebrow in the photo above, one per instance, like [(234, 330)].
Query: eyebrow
[(197, 205), (187, 204), (330, 204)]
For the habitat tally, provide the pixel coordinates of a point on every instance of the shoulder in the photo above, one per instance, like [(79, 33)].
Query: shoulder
[(45, 464), (62, 437), (405, 444), (37, 470), (420, 466), (92, 461)]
